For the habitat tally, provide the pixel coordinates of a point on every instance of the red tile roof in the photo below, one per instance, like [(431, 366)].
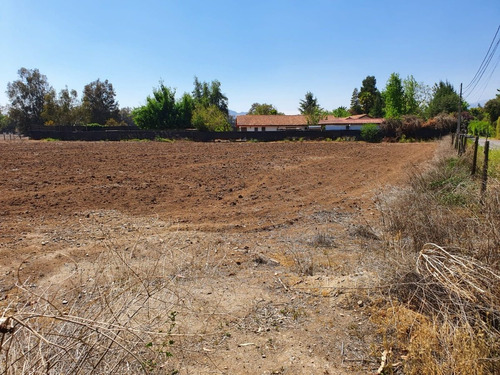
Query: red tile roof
[(300, 120), (351, 120)]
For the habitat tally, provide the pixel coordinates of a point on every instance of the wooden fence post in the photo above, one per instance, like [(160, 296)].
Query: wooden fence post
[(461, 144), (474, 159), (484, 181)]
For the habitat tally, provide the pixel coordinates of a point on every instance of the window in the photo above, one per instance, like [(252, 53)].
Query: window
[(256, 129), (243, 129), (263, 128)]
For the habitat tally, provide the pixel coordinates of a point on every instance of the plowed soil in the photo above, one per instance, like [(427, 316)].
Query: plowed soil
[(279, 231)]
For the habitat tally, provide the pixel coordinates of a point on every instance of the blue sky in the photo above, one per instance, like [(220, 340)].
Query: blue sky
[(270, 51)]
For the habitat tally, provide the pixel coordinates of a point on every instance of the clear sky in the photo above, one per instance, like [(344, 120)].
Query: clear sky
[(270, 51)]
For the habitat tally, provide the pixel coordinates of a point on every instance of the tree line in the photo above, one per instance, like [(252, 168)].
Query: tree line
[(33, 103), (406, 104)]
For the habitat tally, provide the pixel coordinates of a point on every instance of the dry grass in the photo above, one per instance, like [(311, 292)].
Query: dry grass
[(119, 316), (443, 257)]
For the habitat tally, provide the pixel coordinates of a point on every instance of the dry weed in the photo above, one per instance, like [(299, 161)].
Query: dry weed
[(419, 345), (119, 316), (443, 265)]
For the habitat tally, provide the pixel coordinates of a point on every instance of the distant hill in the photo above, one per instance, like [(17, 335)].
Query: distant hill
[(234, 113), (477, 104)]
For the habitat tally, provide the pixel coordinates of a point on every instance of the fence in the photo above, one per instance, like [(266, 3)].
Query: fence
[(460, 143), (82, 133), (70, 134), (11, 136)]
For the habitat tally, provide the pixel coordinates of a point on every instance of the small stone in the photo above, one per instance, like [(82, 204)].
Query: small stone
[(64, 302), (360, 303)]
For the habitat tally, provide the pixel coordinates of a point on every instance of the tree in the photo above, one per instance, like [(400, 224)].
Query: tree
[(370, 98), (310, 108), (69, 107), (410, 89), (99, 102), (394, 97), (185, 108), (444, 99), (5, 121), (263, 109), (492, 108), (126, 116), (210, 94), (62, 109), (309, 104), (26, 97), (477, 113), (210, 118), (340, 112), (159, 112), (355, 108), (50, 110)]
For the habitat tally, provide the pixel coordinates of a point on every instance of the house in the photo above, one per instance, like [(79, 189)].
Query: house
[(260, 123), (354, 122)]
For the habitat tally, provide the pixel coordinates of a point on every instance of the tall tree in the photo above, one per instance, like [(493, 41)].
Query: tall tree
[(394, 97), (309, 104), (50, 113), (370, 98), (263, 109), (492, 108), (410, 88), (62, 109), (355, 108), (159, 112), (185, 107), (310, 108), (99, 102), (126, 116), (69, 107), (210, 94), (444, 99), (26, 97)]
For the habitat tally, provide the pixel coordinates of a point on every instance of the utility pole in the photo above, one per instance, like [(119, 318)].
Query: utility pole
[(459, 119)]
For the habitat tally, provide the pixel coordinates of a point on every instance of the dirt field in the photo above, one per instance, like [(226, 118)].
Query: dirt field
[(272, 244)]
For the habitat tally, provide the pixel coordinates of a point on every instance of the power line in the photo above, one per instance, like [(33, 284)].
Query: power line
[(469, 89), (485, 57), (489, 78)]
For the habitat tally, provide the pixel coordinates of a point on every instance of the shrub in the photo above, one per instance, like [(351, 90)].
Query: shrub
[(481, 128), (112, 122), (410, 125), (443, 121), (392, 127), (210, 118), (370, 133)]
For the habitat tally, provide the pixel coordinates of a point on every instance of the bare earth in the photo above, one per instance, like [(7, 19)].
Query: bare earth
[(272, 242)]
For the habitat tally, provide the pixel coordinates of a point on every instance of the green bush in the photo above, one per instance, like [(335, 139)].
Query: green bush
[(370, 133), (480, 128)]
